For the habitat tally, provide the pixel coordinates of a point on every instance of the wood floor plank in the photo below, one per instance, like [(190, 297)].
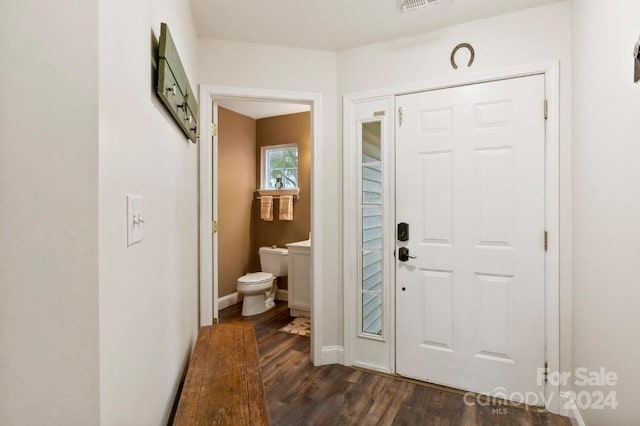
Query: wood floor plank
[(258, 415), (299, 394), (224, 384), (189, 398), (389, 401)]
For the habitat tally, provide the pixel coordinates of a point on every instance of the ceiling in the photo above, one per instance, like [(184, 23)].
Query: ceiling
[(335, 24), (258, 109)]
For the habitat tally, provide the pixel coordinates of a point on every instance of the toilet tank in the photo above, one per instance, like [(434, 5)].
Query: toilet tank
[(274, 260)]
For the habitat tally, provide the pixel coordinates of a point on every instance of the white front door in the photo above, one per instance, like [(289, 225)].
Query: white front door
[(470, 183)]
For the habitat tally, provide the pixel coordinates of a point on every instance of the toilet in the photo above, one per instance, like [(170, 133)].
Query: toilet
[(259, 288)]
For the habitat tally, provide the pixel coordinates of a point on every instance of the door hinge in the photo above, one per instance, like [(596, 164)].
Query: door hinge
[(214, 129), (546, 109), (400, 116), (214, 227), (546, 241)]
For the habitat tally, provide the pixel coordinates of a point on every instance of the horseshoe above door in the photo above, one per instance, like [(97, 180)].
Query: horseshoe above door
[(458, 47)]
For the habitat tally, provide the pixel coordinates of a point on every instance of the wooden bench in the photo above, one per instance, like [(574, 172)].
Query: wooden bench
[(223, 384)]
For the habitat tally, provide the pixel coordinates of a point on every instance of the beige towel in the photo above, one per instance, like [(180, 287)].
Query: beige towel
[(266, 208), (286, 207)]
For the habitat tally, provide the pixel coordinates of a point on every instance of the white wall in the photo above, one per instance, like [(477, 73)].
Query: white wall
[(148, 292), (49, 212), (528, 36), (271, 67), (607, 200)]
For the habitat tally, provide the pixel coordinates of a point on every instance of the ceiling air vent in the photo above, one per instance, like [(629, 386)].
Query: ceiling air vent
[(407, 5)]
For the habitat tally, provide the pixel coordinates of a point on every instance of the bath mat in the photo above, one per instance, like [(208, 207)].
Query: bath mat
[(300, 326)]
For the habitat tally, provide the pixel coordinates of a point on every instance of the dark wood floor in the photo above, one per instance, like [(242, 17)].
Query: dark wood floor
[(300, 394)]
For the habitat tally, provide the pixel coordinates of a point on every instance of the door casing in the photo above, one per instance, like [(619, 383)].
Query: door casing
[(207, 146), (551, 71)]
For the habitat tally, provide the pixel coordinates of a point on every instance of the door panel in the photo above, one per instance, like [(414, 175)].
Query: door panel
[(436, 172), (436, 298), (470, 183), (493, 205)]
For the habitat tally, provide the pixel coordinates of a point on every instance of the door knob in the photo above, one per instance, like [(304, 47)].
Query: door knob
[(403, 254)]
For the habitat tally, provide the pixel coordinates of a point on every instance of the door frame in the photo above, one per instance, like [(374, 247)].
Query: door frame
[(208, 200), (354, 340), (551, 72)]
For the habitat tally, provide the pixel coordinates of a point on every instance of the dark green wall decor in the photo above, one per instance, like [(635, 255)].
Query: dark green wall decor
[(173, 86), (636, 57)]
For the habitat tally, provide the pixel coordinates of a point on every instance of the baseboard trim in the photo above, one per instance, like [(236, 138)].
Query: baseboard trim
[(233, 298), (229, 300), (332, 355), (371, 367), (282, 295), (572, 410)]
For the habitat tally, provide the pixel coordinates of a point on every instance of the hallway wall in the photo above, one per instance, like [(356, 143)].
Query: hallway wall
[(606, 202), (49, 371), (149, 291)]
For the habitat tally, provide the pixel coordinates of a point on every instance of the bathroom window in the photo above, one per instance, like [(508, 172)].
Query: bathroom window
[(280, 167)]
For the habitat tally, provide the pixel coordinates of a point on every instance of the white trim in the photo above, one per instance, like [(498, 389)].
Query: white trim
[(282, 295), (208, 295), (381, 349), (349, 221), (573, 412), (551, 71), (331, 354), (214, 211), (229, 300), (371, 367), (235, 297), (207, 259), (552, 222)]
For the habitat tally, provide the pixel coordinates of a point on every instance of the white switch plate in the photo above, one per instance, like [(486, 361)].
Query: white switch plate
[(134, 212)]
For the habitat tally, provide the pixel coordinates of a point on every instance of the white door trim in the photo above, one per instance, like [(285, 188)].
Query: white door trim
[(214, 204), (551, 71), (354, 340), (208, 202)]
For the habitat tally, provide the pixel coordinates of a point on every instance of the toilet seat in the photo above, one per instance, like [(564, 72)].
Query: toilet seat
[(255, 278)]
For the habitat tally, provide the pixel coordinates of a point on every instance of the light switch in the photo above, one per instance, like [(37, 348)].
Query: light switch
[(134, 219)]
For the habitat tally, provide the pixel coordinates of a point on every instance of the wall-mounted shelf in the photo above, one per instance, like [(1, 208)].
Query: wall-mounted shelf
[(276, 193)]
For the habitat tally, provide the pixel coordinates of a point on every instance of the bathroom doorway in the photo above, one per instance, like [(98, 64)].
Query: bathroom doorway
[(260, 178), (263, 185)]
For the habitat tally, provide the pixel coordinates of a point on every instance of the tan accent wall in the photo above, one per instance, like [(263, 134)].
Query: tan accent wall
[(284, 129), (236, 182)]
